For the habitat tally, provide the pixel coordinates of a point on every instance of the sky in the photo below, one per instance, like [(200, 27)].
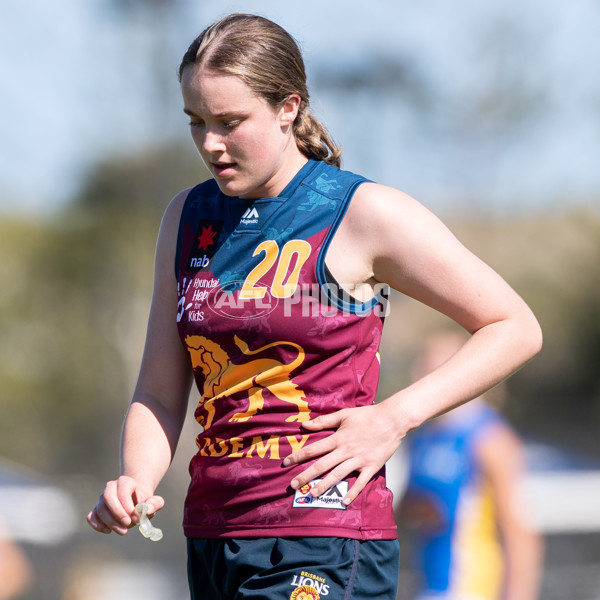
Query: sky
[(508, 112)]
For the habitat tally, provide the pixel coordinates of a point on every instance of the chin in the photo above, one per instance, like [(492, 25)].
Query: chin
[(229, 188)]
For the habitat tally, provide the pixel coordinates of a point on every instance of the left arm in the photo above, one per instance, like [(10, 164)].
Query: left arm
[(406, 246)]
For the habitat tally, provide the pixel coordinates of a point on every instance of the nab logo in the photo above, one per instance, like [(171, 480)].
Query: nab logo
[(200, 262), (250, 217), (204, 245)]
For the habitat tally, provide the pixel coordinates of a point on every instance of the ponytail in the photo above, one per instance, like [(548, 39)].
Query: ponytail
[(314, 141)]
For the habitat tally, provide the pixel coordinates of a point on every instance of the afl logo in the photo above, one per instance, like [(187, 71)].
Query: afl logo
[(304, 500), (226, 302), (305, 592)]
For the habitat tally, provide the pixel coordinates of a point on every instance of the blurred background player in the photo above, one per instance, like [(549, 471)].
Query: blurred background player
[(463, 506), (15, 568)]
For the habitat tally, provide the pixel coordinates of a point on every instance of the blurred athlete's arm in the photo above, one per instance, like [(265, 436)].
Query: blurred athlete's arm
[(16, 572), (500, 455)]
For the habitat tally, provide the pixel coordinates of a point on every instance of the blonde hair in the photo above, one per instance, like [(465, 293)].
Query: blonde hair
[(268, 60)]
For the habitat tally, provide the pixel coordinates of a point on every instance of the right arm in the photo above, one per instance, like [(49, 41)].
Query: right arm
[(158, 406)]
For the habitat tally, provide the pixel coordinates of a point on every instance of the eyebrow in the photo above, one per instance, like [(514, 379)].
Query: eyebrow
[(220, 115)]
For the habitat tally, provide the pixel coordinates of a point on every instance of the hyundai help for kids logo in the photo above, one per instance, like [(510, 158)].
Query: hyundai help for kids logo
[(332, 498)]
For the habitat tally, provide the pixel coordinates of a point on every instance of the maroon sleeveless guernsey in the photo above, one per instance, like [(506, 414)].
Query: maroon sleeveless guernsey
[(273, 343)]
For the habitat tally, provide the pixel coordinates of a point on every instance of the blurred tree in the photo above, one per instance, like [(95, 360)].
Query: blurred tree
[(74, 312), (140, 182), (554, 263)]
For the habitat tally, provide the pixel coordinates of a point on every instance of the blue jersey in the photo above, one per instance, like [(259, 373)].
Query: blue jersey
[(449, 506)]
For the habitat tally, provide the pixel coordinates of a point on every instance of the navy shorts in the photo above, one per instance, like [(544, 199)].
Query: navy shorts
[(318, 568)]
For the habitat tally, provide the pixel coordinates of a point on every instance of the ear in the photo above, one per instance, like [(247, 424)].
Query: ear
[(289, 110)]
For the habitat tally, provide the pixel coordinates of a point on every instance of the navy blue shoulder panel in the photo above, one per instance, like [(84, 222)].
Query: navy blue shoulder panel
[(206, 189), (338, 185)]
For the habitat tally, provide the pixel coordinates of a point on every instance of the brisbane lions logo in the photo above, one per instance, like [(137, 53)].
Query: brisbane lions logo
[(225, 378)]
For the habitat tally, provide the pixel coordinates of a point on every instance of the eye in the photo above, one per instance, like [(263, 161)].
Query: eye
[(196, 123), (231, 124)]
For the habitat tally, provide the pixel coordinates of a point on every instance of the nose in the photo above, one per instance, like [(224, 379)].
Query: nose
[(212, 141)]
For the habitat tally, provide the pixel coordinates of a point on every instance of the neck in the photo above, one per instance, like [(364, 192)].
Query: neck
[(291, 162)]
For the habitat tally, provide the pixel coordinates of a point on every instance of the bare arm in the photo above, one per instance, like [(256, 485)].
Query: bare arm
[(15, 569), (389, 237), (500, 456), (158, 406)]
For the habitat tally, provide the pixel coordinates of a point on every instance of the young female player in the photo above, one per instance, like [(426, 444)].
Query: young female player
[(287, 496)]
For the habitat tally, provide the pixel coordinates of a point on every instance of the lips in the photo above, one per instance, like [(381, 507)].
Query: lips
[(223, 169)]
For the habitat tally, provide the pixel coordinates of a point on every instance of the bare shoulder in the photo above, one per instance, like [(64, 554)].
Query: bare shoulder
[(408, 247), (370, 230), (393, 227), (379, 209), (380, 230), (373, 204), (172, 213), (167, 235)]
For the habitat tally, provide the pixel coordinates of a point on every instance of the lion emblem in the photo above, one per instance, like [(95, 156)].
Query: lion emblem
[(224, 378), (305, 592)]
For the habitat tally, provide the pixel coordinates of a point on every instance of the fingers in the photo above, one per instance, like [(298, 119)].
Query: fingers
[(115, 510), (337, 462), (351, 448), (315, 449), (101, 519), (110, 514), (330, 421), (336, 470), (119, 500), (155, 503), (333, 476), (359, 485), (331, 463), (95, 522), (308, 452)]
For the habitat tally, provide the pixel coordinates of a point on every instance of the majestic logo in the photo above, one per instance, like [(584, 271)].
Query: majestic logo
[(250, 217), (332, 498), (205, 244), (222, 378)]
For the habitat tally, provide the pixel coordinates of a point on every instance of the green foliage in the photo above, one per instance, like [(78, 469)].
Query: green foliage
[(73, 310), (554, 263), (140, 183)]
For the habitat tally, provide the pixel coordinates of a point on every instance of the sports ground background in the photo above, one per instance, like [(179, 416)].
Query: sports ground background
[(488, 114)]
